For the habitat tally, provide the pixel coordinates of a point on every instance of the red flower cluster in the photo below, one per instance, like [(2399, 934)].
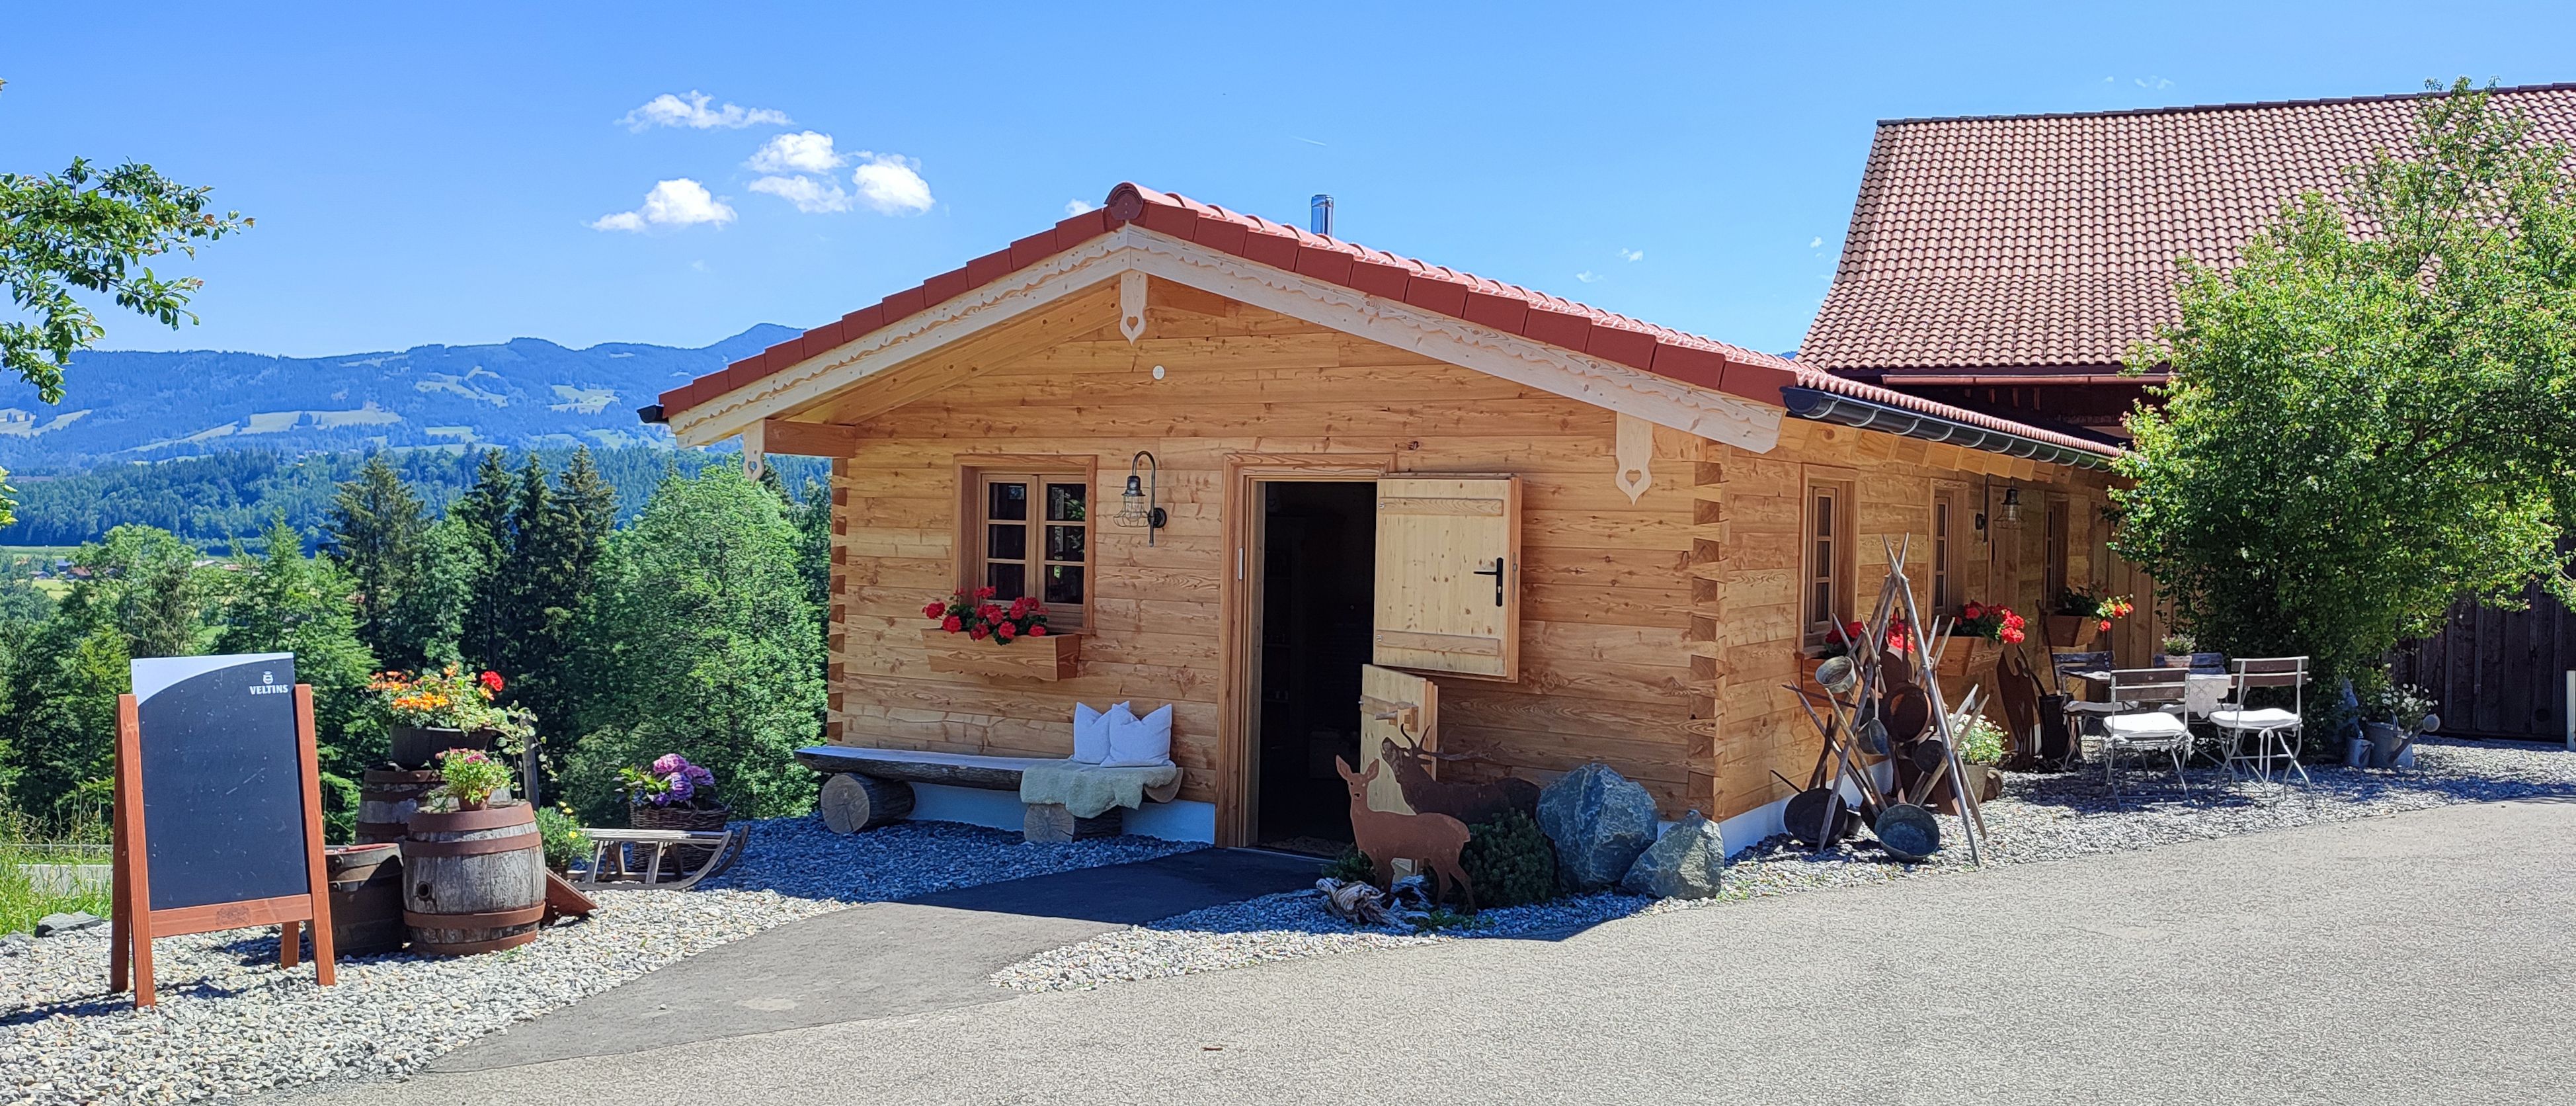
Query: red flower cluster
[(1991, 623), (492, 682), (973, 613)]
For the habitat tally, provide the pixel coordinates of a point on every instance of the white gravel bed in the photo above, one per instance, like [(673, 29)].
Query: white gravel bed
[(229, 1022), (2041, 818)]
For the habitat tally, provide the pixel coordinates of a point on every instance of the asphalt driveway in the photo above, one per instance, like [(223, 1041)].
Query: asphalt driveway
[(2419, 958)]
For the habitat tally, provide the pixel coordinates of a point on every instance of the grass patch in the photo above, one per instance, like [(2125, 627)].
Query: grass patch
[(25, 844)]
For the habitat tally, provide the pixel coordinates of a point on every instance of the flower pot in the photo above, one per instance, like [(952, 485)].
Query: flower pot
[(1985, 782), (1967, 654), (648, 816), (2173, 660), (2070, 631), (417, 747), (1053, 657)]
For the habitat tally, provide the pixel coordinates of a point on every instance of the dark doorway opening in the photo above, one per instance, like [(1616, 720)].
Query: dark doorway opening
[(1318, 597)]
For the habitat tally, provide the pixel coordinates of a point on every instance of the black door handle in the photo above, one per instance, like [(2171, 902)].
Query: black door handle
[(1497, 573)]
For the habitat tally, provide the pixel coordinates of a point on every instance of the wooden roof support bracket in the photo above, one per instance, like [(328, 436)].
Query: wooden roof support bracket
[(1634, 450)]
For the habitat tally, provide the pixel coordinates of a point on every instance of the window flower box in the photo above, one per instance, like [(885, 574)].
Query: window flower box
[(1052, 657)]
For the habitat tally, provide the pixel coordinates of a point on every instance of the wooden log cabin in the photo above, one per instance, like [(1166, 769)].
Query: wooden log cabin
[(1390, 494)]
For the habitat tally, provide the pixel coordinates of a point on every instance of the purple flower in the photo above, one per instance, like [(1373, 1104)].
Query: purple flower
[(681, 788), (669, 763), (700, 776)]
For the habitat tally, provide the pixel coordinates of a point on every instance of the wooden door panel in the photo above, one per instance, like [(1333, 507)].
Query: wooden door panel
[(1448, 575)]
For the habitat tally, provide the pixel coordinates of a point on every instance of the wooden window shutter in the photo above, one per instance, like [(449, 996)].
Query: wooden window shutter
[(1448, 575)]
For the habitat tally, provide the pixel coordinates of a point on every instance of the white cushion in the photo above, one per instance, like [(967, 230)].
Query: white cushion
[(2264, 719), (2150, 724), (1139, 742), (1091, 732)]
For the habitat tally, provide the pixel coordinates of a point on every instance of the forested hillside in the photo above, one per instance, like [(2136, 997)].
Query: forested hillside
[(209, 501), (523, 393)]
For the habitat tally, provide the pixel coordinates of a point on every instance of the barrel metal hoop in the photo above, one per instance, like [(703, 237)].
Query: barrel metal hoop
[(485, 920), (470, 948), (481, 846)]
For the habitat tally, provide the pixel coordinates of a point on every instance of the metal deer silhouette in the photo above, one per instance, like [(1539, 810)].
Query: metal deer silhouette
[(1472, 803), (1431, 840)]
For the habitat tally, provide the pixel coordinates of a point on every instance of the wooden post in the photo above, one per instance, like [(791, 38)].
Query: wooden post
[(320, 880), (131, 880)]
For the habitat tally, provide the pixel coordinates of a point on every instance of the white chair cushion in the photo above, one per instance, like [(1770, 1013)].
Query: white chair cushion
[(1091, 732), (2153, 724), (2264, 719), (1139, 742)]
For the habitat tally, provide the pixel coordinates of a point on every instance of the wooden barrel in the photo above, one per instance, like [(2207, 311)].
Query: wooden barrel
[(473, 880), (366, 899), (386, 799)]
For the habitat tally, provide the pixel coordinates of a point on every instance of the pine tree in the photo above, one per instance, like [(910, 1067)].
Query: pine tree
[(286, 602), (377, 529), (484, 515)]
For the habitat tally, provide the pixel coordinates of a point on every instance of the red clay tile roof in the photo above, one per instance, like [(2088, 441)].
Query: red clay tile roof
[(1611, 337), (2048, 240)]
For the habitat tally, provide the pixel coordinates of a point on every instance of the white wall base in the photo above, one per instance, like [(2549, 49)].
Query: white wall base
[(976, 806), (1753, 825)]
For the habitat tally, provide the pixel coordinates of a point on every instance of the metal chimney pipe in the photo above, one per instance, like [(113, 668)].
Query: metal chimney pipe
[(1319, 214)]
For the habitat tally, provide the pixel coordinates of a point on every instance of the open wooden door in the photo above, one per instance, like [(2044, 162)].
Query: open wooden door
[(1397, 707), (1448, 575)]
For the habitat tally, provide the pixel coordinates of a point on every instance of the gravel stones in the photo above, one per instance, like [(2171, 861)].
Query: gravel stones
[(1600, 821), (231, 1023), (1684, 863), (2040, 818)]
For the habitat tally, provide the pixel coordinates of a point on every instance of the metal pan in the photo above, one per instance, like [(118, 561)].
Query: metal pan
[(1908, 832)]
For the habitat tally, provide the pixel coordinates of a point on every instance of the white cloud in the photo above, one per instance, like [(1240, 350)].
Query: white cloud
[(810, 196), (2154, 83), (892, 184), (667, 110), (1816, 241), (671, 203), (1077, 207), (1588, 277), (1631, 255), (802, 152)]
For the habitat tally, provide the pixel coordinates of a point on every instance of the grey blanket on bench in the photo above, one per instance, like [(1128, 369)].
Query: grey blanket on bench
[(1089, 790)]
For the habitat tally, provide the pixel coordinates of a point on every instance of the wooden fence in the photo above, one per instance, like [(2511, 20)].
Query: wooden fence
[(2498, 673)]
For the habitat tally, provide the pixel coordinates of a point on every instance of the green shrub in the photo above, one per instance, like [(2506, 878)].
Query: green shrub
[(562, 835), (1510, 861), (1353, 866)]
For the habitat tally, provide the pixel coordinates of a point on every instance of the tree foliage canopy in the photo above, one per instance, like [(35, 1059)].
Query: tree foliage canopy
[(2375, 412)]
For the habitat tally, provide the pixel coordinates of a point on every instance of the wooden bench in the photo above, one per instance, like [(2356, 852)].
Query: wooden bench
[(868, 788)]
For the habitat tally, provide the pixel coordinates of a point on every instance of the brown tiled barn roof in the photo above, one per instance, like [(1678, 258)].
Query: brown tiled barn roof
[(2001, 242)]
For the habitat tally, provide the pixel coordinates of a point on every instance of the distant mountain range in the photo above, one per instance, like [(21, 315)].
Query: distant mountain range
[(526, 393)]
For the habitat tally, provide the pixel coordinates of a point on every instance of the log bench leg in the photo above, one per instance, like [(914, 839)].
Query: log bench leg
[(1052, 824), (852, 802)]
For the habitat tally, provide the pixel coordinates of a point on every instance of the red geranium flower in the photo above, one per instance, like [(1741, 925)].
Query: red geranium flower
[(987, 591), (2106, 625), (951, 624), (492, 681), (932, 609), (1038, 630), (1973, 612), (977, 633), (1004, 631)]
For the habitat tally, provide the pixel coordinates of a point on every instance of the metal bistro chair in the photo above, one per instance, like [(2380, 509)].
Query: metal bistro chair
[(2274, 732), (2150, 702)]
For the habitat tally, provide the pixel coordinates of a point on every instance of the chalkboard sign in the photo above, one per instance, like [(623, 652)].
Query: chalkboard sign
[(218, 808)]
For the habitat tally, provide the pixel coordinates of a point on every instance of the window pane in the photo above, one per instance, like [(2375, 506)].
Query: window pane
[(1820, 604), (1006, 542), (1064, 584), (1064, 543), (1824, 516), (1007, 581), (1006, 501), (1065, 502)]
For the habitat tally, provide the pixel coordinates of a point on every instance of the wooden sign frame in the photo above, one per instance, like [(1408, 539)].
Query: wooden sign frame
[(134, 924)]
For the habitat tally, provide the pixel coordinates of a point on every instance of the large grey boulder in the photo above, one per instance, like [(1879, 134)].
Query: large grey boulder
[(52, 924), (1682, 864), (1600, 821)]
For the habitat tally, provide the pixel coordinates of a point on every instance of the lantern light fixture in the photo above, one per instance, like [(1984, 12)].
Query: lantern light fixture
[(2012, 504), (1136, 505)]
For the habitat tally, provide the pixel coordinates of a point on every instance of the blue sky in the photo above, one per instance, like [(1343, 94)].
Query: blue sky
[(458, 177)]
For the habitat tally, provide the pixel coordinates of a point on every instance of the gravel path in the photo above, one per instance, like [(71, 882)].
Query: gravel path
[(2042, 818), (230, 1023)]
